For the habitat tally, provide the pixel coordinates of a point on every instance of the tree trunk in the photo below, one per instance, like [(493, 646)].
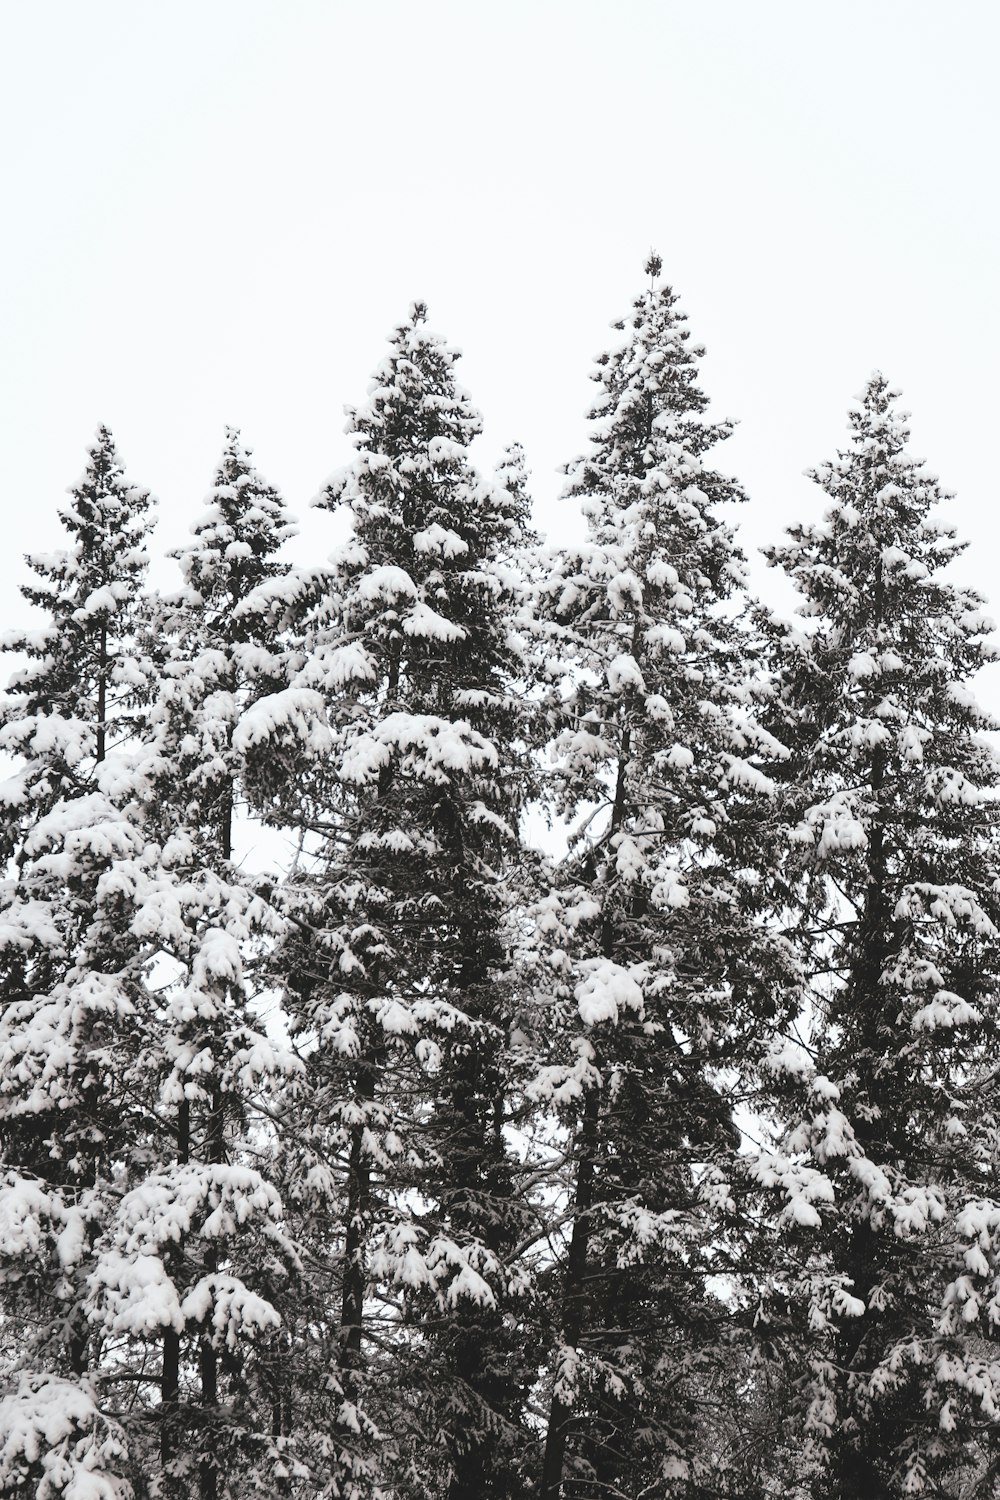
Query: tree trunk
[(170, 1372), (102, 695), (281, 1405), (574, 1296), (854, 1468), (561, 1412), (208, 1360), (355, 1236)]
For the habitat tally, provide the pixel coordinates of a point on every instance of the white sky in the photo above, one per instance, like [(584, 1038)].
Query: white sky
[(215, 211)]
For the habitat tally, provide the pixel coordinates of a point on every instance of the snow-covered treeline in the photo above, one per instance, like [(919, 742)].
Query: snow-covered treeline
[(435, 1165)]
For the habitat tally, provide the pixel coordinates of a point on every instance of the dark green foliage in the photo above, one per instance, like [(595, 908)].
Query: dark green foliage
[(660, 1012), (893, 842), (397, 966)]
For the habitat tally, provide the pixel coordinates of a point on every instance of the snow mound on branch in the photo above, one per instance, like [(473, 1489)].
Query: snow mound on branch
[(136, 1294), (298, 712), (439, 542), (344, 665), (623, 673), (386, 583), (425, 623), (945, 1011), (429, 747), (803, 1187), (229, 1308), (29, 1216), (606, 990)]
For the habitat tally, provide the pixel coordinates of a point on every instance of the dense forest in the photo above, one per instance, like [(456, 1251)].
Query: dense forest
[(651, 1156)]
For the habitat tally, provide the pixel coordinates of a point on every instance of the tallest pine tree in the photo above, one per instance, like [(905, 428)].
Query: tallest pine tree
[(662, 976)]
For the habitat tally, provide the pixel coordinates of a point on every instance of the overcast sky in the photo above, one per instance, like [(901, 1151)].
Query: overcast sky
[(215, 212)]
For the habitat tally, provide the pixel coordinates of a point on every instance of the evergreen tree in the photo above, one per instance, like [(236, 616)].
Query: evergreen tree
[(890, 1154), (82, 681), (512, 473), (196, 1258), (398, 972), (71, 1020), (657, 981)]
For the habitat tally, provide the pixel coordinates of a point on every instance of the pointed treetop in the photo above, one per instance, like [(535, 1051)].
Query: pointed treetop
[(643, 477), (513, 498), (235, 539), (102, 493), (108, 521), (880, 522), (512, 467), (87, 664), (413, 401), (880, 433), (874, 412), (654, 265), (656, 360)]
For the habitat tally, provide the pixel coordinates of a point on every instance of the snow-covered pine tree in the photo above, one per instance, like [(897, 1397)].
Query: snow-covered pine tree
[(656, 978), (398, 972), (512, 473), (195, 1260), (71, 1023), (891, 1153), (234, 580), (81, 669)]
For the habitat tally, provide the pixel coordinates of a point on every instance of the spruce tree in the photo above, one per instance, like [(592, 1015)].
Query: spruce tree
[(889, 1157), (72, 1020), (81, 679), (201, 1234), (398, 970), (656, 979)]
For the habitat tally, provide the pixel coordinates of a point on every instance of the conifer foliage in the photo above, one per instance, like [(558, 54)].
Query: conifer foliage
[(398, 972), (202, 1229), (72, 1023), (649, 920), (434, 1165), (893, 794)]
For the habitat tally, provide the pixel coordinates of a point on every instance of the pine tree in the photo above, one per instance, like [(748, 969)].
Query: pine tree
[(201, 1234), (82, 679), (890, 1154), (399, 969), (71, 1022), (655, 976)]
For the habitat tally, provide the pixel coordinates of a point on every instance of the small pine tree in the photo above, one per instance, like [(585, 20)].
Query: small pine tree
[(82, 668), (892, 1115)]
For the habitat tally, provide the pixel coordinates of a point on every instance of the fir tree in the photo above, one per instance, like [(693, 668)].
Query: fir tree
[(399, 969), (890, 1156), (82, 678), (71, 1021), (201, 1234), (658, 976)]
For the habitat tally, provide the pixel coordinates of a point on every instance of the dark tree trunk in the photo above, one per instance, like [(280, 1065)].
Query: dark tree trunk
[(170, 1373), (102, 695), (574, 1286), (355, 1236), (208, 1360), (574, 1295)]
